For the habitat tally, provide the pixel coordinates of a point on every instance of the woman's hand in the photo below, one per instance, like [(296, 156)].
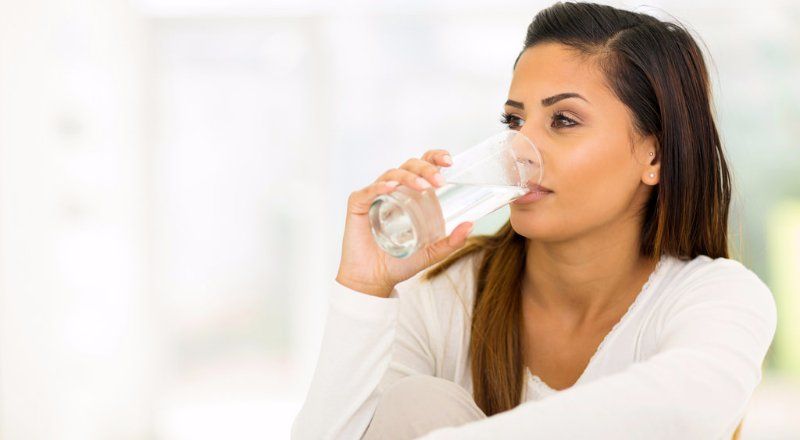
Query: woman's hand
[(364, 266)]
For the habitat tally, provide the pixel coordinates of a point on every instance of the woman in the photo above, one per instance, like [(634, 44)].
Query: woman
[(607, 308)]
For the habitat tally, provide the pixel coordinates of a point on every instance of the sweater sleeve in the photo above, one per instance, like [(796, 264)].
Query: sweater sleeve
[(712, 341), (368, 343)]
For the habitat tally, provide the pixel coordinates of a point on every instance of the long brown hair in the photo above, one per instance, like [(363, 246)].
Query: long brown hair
[(657, 70)]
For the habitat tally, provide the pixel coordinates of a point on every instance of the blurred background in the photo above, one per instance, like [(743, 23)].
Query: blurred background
[(173, 179)]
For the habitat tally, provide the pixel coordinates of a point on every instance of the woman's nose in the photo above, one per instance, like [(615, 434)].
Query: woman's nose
[(535, 138), (530, 156)]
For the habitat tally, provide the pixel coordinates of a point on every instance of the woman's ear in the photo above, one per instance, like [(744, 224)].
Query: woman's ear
[(649, 149), (652, 172)]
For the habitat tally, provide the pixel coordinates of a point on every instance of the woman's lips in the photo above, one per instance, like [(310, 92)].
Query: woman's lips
[(539, 188), (537, 193)]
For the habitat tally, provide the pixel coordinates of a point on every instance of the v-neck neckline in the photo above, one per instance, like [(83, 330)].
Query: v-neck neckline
[(535, 380)]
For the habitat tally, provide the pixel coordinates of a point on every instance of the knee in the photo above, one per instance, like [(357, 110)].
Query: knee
[(412, 388), (409, 386), (415, 405), (421, 392)]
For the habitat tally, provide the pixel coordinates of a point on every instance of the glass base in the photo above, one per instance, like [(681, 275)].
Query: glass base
[(405, 221)]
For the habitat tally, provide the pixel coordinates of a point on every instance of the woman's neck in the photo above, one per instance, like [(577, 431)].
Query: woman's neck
[(588, 277)]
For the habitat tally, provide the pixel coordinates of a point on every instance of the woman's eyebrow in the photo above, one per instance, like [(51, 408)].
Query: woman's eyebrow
[(516, 104), (555, 98), (547, 101)]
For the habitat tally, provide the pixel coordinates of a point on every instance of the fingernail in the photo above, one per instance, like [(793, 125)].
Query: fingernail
[(439, 179), (423, 183), (447, 159), (391, 183)]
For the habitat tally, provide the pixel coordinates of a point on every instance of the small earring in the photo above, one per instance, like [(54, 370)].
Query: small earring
[(652, 154), (652, 175)]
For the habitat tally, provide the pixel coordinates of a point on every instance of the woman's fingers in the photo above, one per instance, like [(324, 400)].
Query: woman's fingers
[(407, 178), (420, 174), (359, 201), (425, 169), (438, 157)]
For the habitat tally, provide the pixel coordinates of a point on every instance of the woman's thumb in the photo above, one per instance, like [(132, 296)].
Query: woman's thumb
[(446, 246)]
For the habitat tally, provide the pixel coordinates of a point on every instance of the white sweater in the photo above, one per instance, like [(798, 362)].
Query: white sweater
[(682, 362)]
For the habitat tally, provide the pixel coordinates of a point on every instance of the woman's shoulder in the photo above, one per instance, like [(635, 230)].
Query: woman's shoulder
[(702, 270), (721, 281)]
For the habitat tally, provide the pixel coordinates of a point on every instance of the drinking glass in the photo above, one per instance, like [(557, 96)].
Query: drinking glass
[(480, 180)]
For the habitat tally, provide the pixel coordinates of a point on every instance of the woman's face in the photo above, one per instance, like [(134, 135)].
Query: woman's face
[(596, 167)]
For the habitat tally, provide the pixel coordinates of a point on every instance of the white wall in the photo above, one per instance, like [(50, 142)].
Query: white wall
[(77, 351)]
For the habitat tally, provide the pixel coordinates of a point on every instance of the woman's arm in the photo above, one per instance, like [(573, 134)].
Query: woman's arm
[(369, 342), (711, 347)]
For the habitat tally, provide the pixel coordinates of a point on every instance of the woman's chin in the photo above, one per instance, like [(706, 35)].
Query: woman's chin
[(527, 225)]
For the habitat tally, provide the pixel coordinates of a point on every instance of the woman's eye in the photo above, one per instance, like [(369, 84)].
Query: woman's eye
[(558, 120), (513, 122), (561, 121)]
